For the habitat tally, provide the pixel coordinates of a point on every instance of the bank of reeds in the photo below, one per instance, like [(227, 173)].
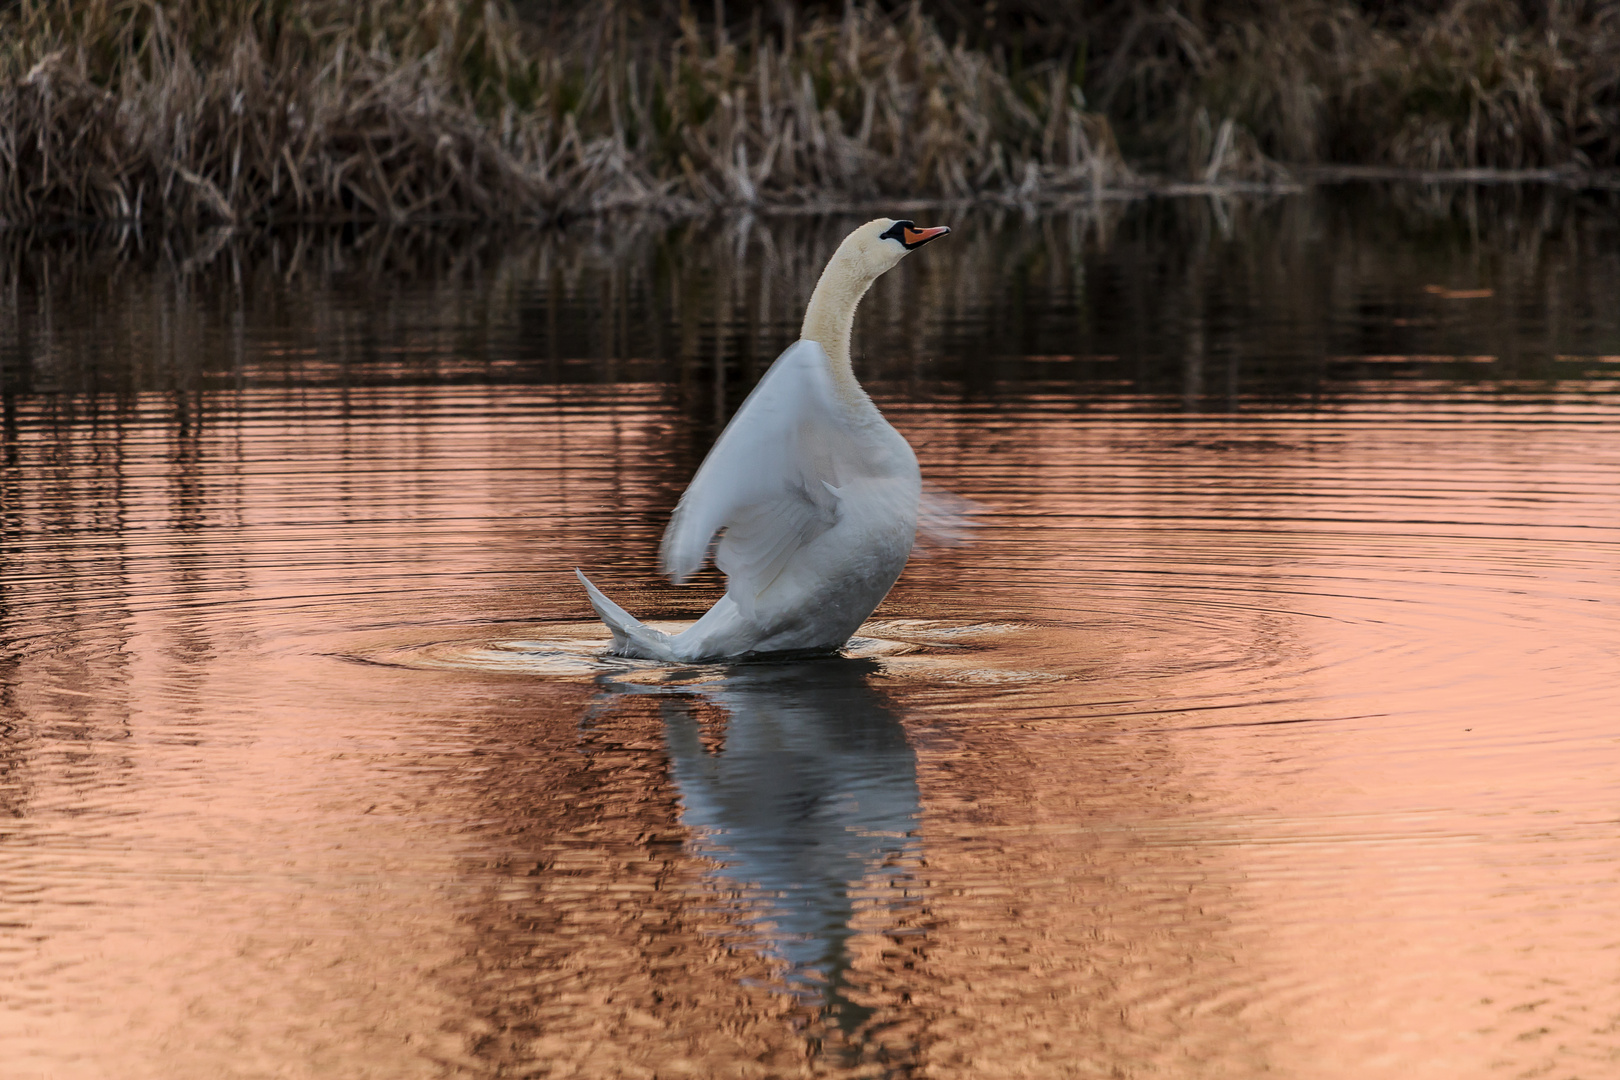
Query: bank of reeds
[(1464, 84), (235, 111), (262, 110), (241, 110)]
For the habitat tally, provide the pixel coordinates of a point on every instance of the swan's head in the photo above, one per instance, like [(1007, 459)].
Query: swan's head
[(878, 245), (864, 256)]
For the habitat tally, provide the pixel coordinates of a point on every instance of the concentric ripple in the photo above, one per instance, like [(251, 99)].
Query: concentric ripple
[(581, 650)]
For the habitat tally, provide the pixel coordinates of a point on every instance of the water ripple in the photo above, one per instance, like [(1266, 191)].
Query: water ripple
[(1278, 741)]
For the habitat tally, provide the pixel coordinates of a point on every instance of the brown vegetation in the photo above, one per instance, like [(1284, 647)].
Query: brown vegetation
[(235, 111)]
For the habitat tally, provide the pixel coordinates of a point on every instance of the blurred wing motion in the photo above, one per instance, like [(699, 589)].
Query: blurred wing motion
[(945, 519), (772, 479)]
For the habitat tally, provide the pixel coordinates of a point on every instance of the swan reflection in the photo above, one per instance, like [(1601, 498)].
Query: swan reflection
[(803, 792)]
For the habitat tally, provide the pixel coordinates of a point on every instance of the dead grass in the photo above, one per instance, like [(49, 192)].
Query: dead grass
[(239, 110), (867, 106), (1479, 87), (233, 111), (1467, 84), (198, 112)]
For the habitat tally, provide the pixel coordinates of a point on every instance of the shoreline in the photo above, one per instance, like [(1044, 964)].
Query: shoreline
[(185, 114), (1146, 188)]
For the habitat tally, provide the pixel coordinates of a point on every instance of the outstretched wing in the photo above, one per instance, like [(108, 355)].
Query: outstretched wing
[(771, 481)]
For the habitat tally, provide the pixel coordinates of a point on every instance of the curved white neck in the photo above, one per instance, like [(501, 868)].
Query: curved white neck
[(830, 316)]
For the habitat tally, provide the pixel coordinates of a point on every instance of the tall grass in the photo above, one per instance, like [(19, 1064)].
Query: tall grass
[(259, 110), (235, 111), (1442, 84)]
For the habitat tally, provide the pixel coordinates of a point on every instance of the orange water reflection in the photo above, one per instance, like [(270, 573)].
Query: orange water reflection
[(1264, 744)]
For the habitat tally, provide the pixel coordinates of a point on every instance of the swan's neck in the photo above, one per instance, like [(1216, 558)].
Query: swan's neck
[(830, 318)]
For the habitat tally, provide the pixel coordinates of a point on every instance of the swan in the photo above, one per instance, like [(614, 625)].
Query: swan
[(816, 495)]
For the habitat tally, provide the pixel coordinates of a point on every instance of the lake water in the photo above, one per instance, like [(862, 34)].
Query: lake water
[(1267, 726)]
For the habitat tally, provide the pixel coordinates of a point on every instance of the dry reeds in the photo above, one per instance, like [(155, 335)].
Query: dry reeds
[(261, 110), (238, 111), (242, 110), (1480, 86), (867, 106), (1464, 84)]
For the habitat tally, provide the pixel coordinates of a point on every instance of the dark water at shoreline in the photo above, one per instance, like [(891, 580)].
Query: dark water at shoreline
[(1267, 726), (1198, 304)]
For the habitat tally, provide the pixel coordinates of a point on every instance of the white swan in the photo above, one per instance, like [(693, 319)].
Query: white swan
[(817, 495)]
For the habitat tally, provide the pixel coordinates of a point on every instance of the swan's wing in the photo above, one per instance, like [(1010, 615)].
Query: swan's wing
[(771, 480), (760, 539), (945, 519)]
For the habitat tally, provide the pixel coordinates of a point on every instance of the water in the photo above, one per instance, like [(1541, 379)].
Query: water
[(1266, 727)]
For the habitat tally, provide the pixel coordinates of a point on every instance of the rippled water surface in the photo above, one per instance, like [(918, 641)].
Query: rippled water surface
[(1267, 726)]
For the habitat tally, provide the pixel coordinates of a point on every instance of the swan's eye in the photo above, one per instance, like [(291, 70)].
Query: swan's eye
[(898, 231)]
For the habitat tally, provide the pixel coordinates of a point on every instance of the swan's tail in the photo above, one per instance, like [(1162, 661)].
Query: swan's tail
[(630, 636)]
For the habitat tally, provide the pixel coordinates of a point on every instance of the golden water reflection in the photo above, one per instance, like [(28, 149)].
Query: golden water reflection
[(1233, 745), (1267, 726)]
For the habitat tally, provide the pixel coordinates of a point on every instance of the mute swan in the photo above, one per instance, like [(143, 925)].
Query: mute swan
[(817, 495)]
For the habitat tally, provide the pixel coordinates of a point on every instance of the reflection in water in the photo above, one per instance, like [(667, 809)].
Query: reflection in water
[(1267, 729), (1164, 304), (797, 782)]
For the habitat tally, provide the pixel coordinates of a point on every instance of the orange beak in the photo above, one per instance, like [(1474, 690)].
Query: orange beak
[(917, 237)]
